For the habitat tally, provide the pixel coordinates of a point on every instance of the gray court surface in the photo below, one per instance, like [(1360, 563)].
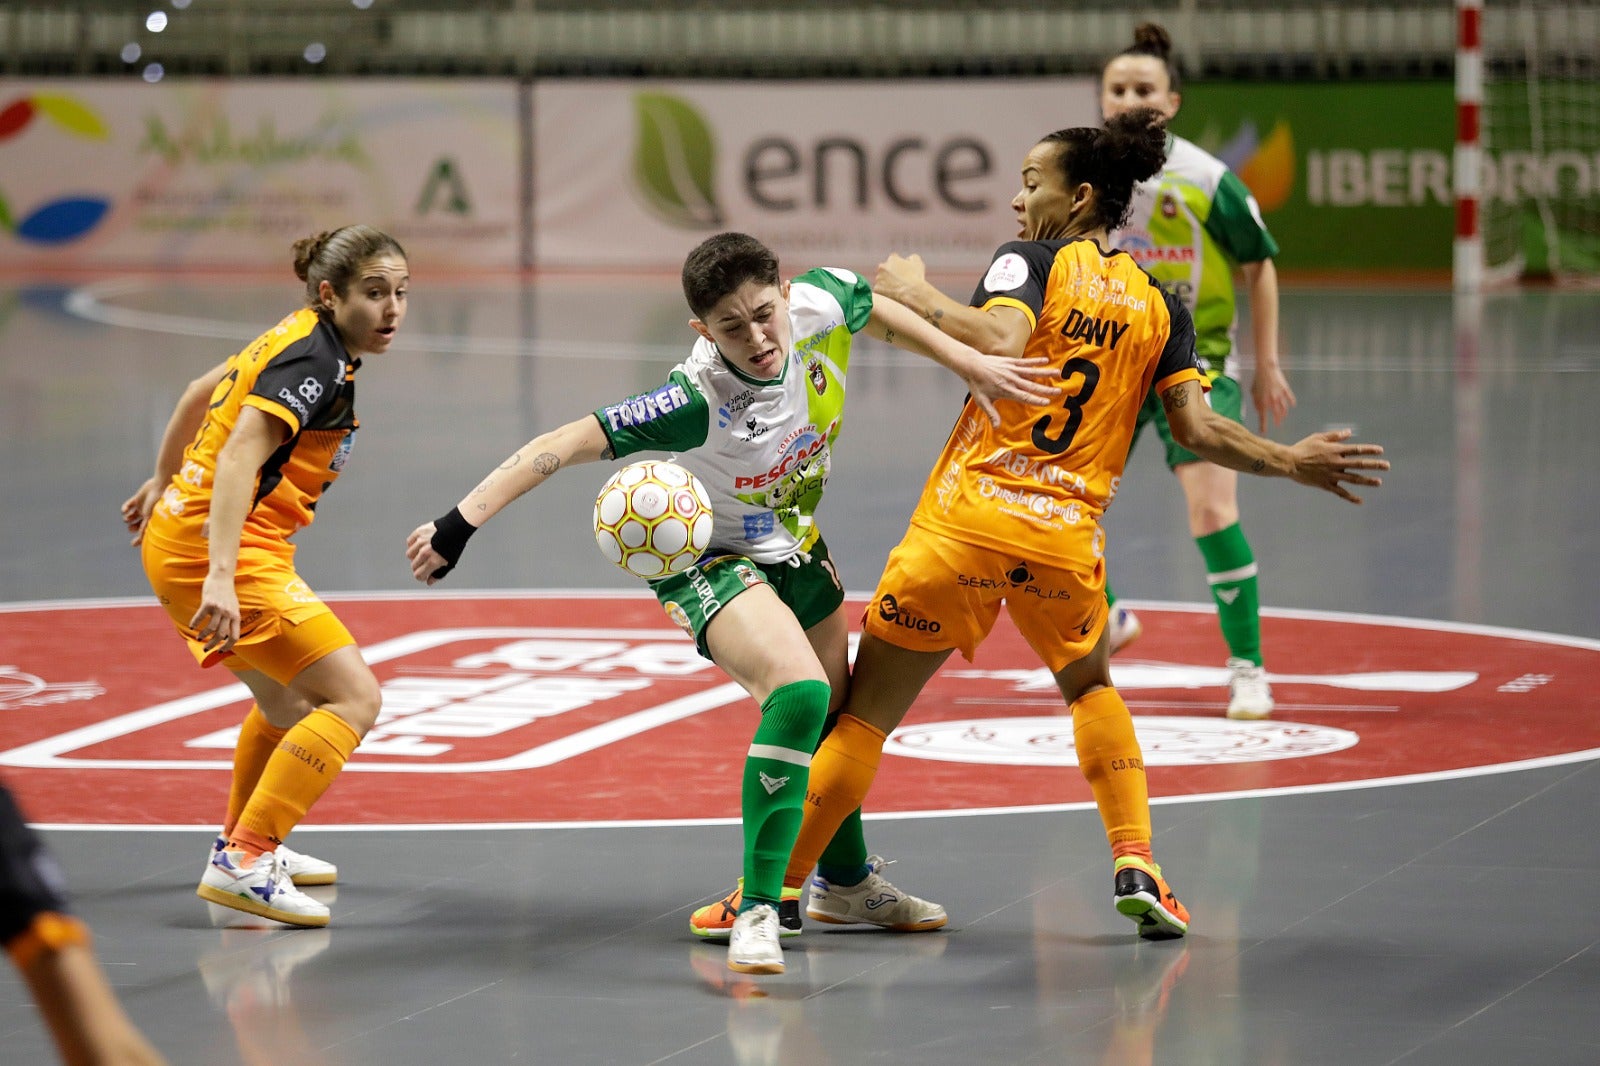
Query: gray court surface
[(1435, 923)]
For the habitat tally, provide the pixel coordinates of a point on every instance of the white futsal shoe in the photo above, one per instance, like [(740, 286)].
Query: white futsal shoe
[(753, 946), (304, 870), (1249, 695), (1124, 628), (261, 887)]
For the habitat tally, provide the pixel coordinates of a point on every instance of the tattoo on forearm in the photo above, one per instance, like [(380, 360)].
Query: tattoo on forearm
[(935, 317), (511, 462), (546, 463), (888, 335), (1258, 466)]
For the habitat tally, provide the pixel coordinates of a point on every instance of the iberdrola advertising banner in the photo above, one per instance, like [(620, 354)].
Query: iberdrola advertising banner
[(1349, 177), (217, 175)]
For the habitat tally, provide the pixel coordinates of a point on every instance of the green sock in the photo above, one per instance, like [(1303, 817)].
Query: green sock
[(774, 792), (1231, 569), (1111, 597), (844, 860)]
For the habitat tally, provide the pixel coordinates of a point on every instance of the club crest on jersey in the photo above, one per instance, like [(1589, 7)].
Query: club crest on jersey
[(819, 379), (1169, 205)]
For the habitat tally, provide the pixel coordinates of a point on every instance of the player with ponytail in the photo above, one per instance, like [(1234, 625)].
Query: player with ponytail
[(250, 448), (1026, 494)]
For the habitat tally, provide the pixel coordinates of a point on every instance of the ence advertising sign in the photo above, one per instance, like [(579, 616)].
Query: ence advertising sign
[(633, 175), (227, 174)]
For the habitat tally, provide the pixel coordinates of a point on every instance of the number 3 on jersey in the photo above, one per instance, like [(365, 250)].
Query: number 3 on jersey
[(1072, 405)]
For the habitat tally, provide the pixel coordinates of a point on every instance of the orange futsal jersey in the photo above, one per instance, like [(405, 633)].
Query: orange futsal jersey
[(298, 372), (1036, 485)]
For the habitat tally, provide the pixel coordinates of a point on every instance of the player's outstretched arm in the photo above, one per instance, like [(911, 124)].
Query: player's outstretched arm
[(1000, 331), (1328, 460), (434, 548), (988, 377), (181, 429)]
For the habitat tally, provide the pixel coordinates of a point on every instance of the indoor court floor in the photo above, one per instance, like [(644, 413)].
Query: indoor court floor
[(1391, 871)]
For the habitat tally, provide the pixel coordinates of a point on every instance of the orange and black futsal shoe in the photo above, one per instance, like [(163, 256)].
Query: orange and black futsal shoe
[(1144, 897), (714, 921)]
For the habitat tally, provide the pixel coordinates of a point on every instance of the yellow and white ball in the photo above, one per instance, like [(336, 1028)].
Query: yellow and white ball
[(652, 518)]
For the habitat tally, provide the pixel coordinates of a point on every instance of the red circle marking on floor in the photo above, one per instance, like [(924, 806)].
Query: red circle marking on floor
[(572, 707)]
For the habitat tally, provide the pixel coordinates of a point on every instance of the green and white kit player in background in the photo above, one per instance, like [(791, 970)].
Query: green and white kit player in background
[(754, 413), (1191, 225)]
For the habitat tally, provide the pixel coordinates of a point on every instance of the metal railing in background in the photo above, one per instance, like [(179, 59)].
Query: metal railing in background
[(754, 38)]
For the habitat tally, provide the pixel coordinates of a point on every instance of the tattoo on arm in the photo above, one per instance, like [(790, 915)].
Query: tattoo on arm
[(546, 463), (1175, 397), (1258, 466), (934, 317), (888, 335), (511, 462), (609, 452)]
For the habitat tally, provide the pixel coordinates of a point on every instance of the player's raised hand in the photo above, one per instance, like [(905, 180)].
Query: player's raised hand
[(1329, 460), (900, 276)]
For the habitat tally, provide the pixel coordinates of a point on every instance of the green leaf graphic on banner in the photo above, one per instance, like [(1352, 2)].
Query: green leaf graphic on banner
[(674, 161), (72, 116)]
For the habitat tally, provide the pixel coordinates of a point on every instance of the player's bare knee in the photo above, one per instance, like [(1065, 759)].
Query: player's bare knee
[(1211, 516), (359, 706)]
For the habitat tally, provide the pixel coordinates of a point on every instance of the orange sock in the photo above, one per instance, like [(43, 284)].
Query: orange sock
[(307, 759), (258, 738), (841, 775), (1109, 756)]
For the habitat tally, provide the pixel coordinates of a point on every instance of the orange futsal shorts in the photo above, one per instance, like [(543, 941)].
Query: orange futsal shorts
[(937, 594), (283, 626)]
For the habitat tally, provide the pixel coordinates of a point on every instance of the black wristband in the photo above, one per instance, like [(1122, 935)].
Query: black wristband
[(450, 535)]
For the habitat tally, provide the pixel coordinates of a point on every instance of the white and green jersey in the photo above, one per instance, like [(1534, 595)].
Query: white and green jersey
[(1190, 225), (761, 448)]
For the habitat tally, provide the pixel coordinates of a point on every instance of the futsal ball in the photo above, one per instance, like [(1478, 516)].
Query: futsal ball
[(652, 518)]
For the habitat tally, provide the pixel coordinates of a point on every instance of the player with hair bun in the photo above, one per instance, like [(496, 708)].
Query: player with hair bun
[(1191, 225), (249, 450), (1026, 494)]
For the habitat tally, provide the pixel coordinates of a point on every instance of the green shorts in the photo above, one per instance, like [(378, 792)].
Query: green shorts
[(1225, 398), (807, 583)]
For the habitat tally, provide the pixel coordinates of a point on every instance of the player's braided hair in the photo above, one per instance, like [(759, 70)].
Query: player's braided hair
[(1151, 39), (1130, 148), (335, 256), (720, 264)]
